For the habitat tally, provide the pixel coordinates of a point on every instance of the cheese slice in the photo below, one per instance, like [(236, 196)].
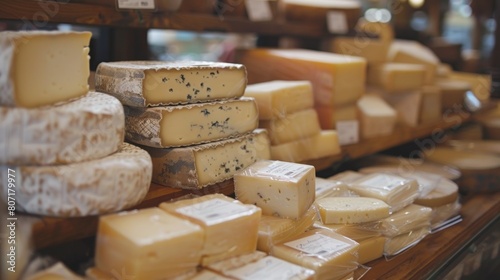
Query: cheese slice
[(279, 188), (57, 271), (430, 106), (407, 106), (351, 210), (397, 244), (377, 118), (371, 249), (185, 125), (230, 227), (409, 218), (331, 188), (198, 166), (356, 232), (276, 99), (295, 126), (395, 77), (43, 67), (452, 93), (154, 83), (85, 129), (100, 186), (147, 244), (444, 193)]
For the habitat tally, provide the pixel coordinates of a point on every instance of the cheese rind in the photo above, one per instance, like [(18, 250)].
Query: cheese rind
[(42, 68), (100, 186), (88, 128), (377, 118), (295, 126), (351, 210), (156, 83)]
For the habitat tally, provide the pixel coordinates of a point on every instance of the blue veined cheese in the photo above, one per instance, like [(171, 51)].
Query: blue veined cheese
[(155, 83), (185, 125)]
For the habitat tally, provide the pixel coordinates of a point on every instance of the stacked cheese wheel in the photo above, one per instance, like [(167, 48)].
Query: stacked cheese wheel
[(190, 116), (62, 146)]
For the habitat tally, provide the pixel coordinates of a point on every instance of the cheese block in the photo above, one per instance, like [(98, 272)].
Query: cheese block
[(346, 177), (444, 193), (351, 210), (452, 93), (396, 77), (331, 188), (329, 116), (441, 214), (154, 83), (276, 99), (336, 79), (377, 118), (100, 186), (147, 244), (371, 249), (407, 106), (295, 126), (329, 254), (58, 271), (324, 144), (430, 105), (480, 83), (185, 125), (85, 129), (405, 220), (198, 166), (397, 244), (230, 227), (42, 68), (356, 232), (279, 188), (274, 230)]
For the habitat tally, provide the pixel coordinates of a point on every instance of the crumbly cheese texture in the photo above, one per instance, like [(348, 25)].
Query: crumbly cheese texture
[(198, 166), (147, 244), (371, 249), (376, 116), (396, 77), (186, 125), (279, 188), (231, 227), (88, 128), (409, 218), (155, 83), (113, 183), (398, 244), (295, 126), (42, 68), (351, 210)]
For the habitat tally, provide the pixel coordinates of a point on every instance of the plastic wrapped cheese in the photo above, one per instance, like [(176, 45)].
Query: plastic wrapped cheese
[(356, 232), (331, 188), (371, 249), (346, 177), (397, 244), (407, 219), (441, 214), (351, 210)]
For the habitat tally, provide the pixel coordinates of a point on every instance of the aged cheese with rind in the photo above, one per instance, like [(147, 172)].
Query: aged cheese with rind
[(185, 125), (409, 218), (42, 68), (198, 166), (295, 126), (113, 183), (351, 210), (88, 128), (377, 117), (155, 83)]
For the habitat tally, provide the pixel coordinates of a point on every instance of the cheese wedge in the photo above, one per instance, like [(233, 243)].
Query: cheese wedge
[(295, 126), (444, 193), (377, 118), (407, 106), (351, 210)]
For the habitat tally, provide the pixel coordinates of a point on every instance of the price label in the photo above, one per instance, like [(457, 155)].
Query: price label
[(258, 10), (136, 4), (348, 132), (337, 22)]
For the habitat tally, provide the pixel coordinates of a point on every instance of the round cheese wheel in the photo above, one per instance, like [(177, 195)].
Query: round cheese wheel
[(464, 160), (446, 192)]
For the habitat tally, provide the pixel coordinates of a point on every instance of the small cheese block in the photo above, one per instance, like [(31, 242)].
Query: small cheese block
[(329, 254), (407, 106), (274, 230), (42, 68), (444, 193), (337, 79), (371, 249), (325, 144), (347, 177), (397, 244), (88, 128), (155, 83), (231, 227), (409, 218), (201, 165), (331, 188), (57, 271), (441, 214), (464, 160), (452, 93), (147, 244), (100, 186), (374, 51), (480, 83), (206, 274), (276, 99), (430, 105), (185, 125), (280, 188), (351, 210), (377, 118), (396, 77), (235, 262), (356, 232), (329, 116), (295, 126)]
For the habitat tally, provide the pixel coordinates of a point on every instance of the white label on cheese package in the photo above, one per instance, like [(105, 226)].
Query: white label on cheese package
[(268, 268), (348, 132), (283, 169), (383, 182), (258, 10), (213, 211), (136, 4), (318, 245), (337, 22)]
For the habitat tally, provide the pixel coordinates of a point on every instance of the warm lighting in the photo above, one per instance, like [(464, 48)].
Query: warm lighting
[(416, 3), (378, 15)]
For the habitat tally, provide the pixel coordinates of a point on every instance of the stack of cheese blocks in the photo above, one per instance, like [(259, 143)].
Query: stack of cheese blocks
[(286, 110), (62, 146), (190, 116)]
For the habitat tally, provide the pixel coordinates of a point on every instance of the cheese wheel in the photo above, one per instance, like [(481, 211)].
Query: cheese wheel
[(464, 160), (110, 184), (88, 128), (446, 192)]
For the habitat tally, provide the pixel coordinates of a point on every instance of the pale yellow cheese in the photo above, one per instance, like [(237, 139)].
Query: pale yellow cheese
[(147, 244), (331, 188), (276, 99), (371, 249), (397, 244), (330, 115), (480, 83), (407, 106), (395, 77), (377, 118), (351, 210), (43, 67), (409, 218), (234, 262), (444, 193), (185, 125), (279, 188), (346, 177), (452, 93), (464, 160), (356, 232), (206, 274), (230, 227), (430, 105), (442, 213), (154, 83), (294, 126), (374, 51)]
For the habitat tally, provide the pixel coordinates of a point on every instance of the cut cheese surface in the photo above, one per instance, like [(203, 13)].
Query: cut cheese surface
[(88, 128), (395, 77), (206, 164), (405, 220), (371, 249), (351, 210), (154, 83), (295, 126), (397, 244), (42, 68), (464, 160), (184, 125), (376, 117), (279, 188), (100, 186), (276, 99)]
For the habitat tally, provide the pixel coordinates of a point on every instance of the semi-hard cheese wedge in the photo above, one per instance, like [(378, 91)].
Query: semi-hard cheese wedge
[(88, 128), (283, 189), (371, 249), (351, 210), (430, 105), (154, 83), (147, 244), (407, 105), (444, 193), (198, 166), (231, 227), (43, 67), (377, 118), (409, 218), (185, 125), (396, 77), (398, 244), (276, 99), (295, 126), (331, 188), (329, 254)]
